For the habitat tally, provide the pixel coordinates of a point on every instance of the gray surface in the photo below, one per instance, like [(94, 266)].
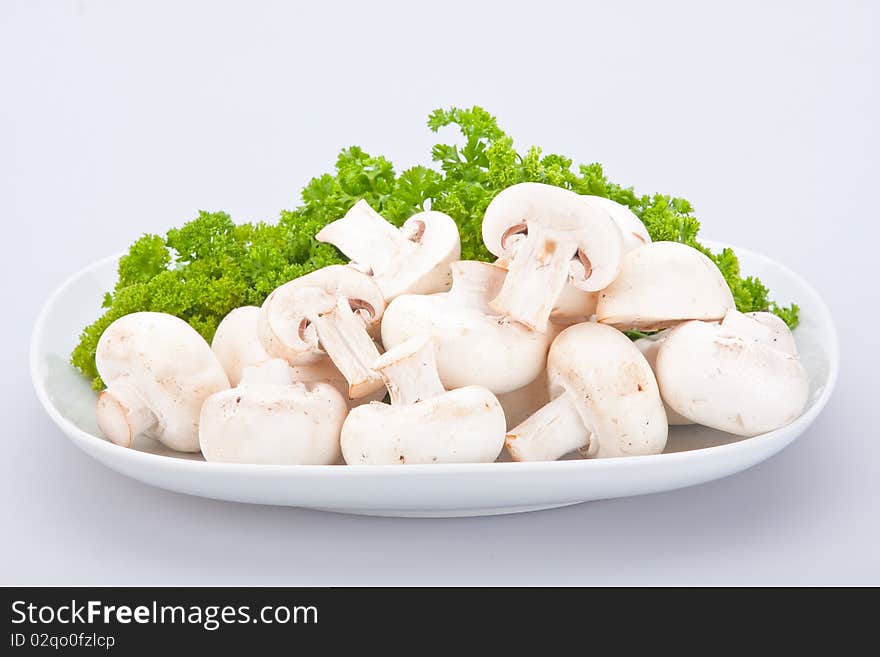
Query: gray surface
[(117, 120)]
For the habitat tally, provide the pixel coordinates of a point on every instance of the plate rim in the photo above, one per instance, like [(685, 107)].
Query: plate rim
[(84, 439)]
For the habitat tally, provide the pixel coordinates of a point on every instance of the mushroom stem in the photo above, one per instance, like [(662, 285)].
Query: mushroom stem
[(123, 415), (539, 268), (343, 335), (474, 283), (410, 371), (365, 237), (552, 432)]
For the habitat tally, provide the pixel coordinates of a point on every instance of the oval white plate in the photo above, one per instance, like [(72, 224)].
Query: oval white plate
[(694, 454)]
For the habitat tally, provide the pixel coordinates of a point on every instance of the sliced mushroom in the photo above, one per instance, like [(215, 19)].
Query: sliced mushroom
[(550, 235), (474, 345), (649, 348), (158, 371), (413, 259), (605, 401), (727, 380), (631, 227), (663, 284), (424, 423), (273, 423), (240, 351), (326, 313)]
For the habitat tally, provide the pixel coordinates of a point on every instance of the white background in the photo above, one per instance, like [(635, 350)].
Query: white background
[(123, 118)]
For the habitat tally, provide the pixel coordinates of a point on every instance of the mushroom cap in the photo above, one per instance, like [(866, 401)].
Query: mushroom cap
[(237, 344), (413, 259), (613, 388), (473, 347), (460, 426), (170, 368), (280, 326), (663, 284), (762, 327), (631, 227), (275, 424), (730, 382), (566, 217), (650, 348)]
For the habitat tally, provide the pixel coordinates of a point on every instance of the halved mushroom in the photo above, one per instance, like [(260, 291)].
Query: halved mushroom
[(413, 259), (663, 284), (725, 379), (158, 371), (276, 423), (327, 312), (551, 235), (631, 227), (649, 348), (605, 401), (424, 423), (241, 352), (474, 345)]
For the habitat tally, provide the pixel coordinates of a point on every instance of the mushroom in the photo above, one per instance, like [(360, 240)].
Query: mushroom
[(551, 235), (605, 400), (763, 327), (726, 379), (649, 348), (281, 423), (158, 371), (412, 259), (326, 313), (240, 351), (663, 284), (424, 423), (474, 345), (631, 227)]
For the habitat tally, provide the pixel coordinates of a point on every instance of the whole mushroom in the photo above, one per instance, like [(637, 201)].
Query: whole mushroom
[(725, 378), (281, 423), (412, 259), (327, 313), (474, 345), (550, 236), (424, 423), (605, 401), (649, 348), (663, 284), (158, 371)]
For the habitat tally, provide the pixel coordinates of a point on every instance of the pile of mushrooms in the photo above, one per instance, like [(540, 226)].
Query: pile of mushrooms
[(527, 353)]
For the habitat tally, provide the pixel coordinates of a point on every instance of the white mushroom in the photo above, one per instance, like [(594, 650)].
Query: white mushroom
[(763, 327), (605, 401), (474, 345), (631, 227), (158, 371), (424, 423), (413, 259), (649, 348), (663, 284), (551, 235), (280, 423), (724, 379), (326, 313), (240, 351)]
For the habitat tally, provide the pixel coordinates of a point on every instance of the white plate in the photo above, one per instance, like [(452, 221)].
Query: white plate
[(694, 454)]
